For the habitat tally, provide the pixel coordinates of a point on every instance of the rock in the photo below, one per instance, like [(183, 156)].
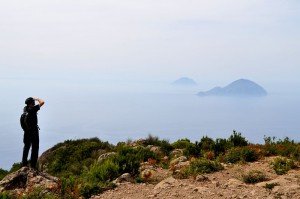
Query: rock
[(234, 183), (178, 160), (181, 165), (201, 178), (26, 179), (106, 156), (168, 182), (148, 174), (126, 177), (155, 149), (176, 153)]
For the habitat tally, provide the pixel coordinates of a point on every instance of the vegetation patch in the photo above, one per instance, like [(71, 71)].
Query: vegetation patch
[(282, 165), (201, 166), (254, 176)]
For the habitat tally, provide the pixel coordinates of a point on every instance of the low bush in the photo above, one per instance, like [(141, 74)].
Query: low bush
[(193, 150), (249, 154), (270, 186), (164, 145), (282, 165), (233, 155), (207, 143), (181, 144), (202, 165), (221, 146), (72, 156), (3, 173), (237, 139), (246, 154), (104, 172), (253, 177)]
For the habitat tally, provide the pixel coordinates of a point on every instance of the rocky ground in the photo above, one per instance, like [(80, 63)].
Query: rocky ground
[(224, 184)]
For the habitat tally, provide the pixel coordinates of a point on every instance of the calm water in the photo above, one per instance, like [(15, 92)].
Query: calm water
[(114, 113)]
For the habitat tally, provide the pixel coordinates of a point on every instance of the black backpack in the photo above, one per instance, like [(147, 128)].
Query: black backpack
[(23, 121)]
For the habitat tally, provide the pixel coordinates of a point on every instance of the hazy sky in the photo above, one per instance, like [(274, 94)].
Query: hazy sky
[(203, 39)]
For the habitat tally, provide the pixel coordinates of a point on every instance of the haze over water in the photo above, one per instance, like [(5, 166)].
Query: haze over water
[(116, 111)]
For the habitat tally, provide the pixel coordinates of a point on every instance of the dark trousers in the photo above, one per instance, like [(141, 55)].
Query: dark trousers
[(31, 139)]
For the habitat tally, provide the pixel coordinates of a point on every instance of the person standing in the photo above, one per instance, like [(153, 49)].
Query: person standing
[(29, 123)]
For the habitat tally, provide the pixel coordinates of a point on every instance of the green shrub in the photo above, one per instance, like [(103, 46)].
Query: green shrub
[(237, 139), (193, 150), (246, 154), (271, 185), (182, 144), (207, 143), (202, 165), (69, 187), (3, 173), (72, 156), (282, 165), (5, 195), (89, 189), (221, 146), (104, 172), (40, 193), (253, 177), (249, 155), (164, 145), (233, 155), (15, 167)]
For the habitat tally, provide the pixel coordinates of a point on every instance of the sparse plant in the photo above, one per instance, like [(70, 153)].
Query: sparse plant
[(202, 165), (253, 177), (270, 186), (237, 139), (282, 165)]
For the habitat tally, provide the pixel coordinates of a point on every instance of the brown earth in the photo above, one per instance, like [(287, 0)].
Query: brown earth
[(224, 184)]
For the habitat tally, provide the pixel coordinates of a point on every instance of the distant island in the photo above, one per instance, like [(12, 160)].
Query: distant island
[(184, 81), (241, 87)]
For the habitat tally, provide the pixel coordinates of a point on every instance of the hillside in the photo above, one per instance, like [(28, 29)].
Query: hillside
[(241, 87), (154, 168)]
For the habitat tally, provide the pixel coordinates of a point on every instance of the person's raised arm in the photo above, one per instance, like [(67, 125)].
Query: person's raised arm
[(40, 101)]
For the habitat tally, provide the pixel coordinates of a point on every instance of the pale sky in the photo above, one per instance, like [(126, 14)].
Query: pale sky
[(209, 39)]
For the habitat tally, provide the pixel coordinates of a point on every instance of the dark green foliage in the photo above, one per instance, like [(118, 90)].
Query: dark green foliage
[(104, 172), (89, 189), (40, 193), (246, 154), (249, 155), (5, 195), (203, 165), (285, 147), (181, 144), (3, 173), (237, 139), (69, 187), (221, 146), (193, 150), (254, 176), (233, 155), (72, 156), (207, 144), (164, 145), (282, 165), (271, 185), (129, 159), (15, 167)]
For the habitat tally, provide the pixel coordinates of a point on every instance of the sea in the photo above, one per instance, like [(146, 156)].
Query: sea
[(118, 111)]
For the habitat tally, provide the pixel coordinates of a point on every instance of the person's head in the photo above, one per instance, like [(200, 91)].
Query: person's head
[(29, 101)]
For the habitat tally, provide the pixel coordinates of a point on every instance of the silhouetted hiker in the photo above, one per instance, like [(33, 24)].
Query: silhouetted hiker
[(29, 123)]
